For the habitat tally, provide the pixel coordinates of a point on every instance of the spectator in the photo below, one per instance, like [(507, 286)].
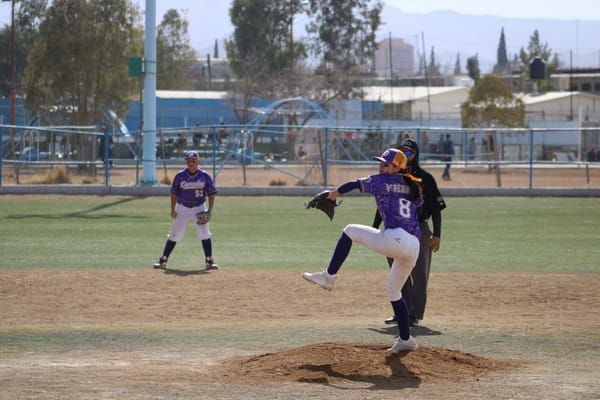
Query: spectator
[(591, 156), (447, 151), (102, 151), (471, 149)]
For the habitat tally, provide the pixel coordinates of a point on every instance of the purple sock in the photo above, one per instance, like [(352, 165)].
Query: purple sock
[(169, 246), (207, 247), (342, 249), (402, 319)]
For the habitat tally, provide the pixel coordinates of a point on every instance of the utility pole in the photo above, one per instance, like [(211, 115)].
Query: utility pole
[(13, 73), (13, 63), (291, 49)]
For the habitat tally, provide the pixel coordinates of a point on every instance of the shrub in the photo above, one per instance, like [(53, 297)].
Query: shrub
[(278, 182), (55, 176)]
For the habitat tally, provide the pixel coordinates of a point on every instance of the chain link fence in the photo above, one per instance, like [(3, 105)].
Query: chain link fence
[(297, 155)]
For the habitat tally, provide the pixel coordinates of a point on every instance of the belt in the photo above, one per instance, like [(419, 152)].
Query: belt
[(191, 206)]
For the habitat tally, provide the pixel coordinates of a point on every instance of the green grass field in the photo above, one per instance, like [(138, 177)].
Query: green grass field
[(504, 234), (85, 316)]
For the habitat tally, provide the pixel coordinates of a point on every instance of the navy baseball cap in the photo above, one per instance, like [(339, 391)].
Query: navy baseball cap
[(394, 157), (409, 144), (192, 154)]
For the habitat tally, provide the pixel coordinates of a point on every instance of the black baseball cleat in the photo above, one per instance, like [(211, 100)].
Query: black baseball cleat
[(211, 264), (161, 263), (412, 320)]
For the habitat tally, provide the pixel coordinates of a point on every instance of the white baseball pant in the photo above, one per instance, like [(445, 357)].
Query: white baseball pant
[(394, 243), (181, 222)]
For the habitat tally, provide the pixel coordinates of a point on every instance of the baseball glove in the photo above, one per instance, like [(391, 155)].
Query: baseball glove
[(321, 202), (202, 217)]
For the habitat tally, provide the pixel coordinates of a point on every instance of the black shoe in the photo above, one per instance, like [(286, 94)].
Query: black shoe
[(390, 320), (210, 264), (414, 321), (161, 263)]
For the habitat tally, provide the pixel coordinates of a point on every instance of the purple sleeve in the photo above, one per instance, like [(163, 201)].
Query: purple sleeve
[(175, 184), (210, 186), (369, 184), (348, 187)]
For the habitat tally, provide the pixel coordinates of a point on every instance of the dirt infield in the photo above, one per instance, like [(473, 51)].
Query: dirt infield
[(234, 334)]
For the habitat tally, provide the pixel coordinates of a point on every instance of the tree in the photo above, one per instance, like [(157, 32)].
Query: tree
[(473, 68), (86, 71), (491, 102), (536, 48), (344, 40), (27, 19), (433, 69), (261, 51), (174, 55), (457, 68), (502, 66), (216, 50)]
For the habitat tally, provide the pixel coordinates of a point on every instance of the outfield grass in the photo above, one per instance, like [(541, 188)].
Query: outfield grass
[(509, 234)]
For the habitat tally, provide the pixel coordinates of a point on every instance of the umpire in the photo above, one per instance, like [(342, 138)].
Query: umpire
[(414, 291)]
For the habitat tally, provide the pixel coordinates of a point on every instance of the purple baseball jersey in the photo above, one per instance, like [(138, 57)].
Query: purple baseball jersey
[(192, 189), (392, 196)]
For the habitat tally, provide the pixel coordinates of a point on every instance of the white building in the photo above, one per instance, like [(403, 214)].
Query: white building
[(418, 103), (394, 58), (561, 106)]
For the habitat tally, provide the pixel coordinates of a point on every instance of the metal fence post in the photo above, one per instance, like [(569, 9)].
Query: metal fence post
[(214, 153), (326, 158), (531, 153), (1, 151), (106, 152)]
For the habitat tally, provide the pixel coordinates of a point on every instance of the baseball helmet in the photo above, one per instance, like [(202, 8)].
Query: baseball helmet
[(394, 157)]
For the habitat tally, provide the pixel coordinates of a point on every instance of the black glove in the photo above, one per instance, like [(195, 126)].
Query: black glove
[(321, 202)]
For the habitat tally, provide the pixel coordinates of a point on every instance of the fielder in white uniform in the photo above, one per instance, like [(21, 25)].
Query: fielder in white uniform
[(192, 192)]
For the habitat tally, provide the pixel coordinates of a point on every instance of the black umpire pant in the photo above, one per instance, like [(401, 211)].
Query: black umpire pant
[(414, 291)]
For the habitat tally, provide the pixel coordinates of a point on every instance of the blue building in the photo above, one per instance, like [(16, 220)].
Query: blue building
[(186, 109)]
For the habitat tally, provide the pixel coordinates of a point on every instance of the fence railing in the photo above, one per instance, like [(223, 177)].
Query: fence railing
[(304, 155)]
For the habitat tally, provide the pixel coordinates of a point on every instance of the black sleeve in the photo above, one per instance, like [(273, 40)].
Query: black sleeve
[(436, 219), (377, 220), (435, 205)]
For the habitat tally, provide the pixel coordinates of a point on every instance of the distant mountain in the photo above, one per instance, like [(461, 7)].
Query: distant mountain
[(449, 32)]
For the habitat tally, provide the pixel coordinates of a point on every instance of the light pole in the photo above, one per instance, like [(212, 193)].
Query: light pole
[(13, 64), (13, 69)]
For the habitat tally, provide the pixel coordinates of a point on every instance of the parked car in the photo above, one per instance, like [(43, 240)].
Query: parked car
[(32, 154)]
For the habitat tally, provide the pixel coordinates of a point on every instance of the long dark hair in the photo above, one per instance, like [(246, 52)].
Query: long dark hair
[(415, 187)]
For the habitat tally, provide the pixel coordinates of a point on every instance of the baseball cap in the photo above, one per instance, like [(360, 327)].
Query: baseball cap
[(394, 157), (409, 144), (192, 154)]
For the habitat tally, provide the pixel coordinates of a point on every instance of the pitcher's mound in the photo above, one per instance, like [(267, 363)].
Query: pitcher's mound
[(358, 363)]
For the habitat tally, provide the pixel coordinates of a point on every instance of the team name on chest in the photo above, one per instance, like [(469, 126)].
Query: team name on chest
[(185, 185), (397, 188)]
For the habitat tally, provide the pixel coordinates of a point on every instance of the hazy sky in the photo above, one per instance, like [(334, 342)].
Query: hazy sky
[(554, 9), (557, 9), (209, 19)]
